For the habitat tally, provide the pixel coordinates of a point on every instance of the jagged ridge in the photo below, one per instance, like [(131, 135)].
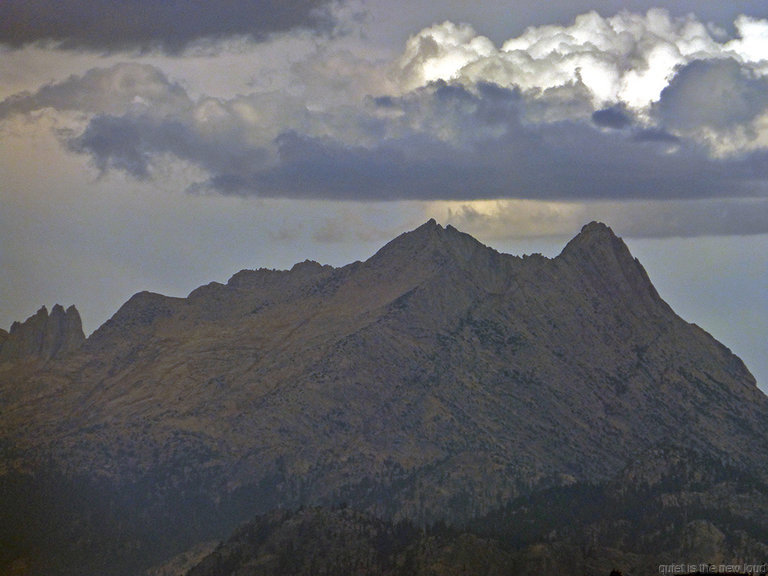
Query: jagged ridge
[(44, 336)]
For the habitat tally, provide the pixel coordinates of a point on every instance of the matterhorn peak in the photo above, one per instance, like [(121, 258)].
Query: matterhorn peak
[(429, 239), (598, 245), (603, 257)]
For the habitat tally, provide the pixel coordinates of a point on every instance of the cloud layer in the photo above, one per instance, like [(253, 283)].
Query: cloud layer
[(172, 25), (627, 108)]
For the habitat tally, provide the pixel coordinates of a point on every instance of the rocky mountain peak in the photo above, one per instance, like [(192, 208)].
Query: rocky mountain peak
[(604, 260), (44, 335), (595, 237), (136, 316), (431, 244)]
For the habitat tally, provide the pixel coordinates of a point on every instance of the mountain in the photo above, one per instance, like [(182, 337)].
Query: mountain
[(439, 380)]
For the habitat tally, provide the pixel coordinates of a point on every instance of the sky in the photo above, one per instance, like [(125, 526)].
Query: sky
[(163, 144)]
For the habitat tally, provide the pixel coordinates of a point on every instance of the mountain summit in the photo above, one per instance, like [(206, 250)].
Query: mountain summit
[(438, 380)]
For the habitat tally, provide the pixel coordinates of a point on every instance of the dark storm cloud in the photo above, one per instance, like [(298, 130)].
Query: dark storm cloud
[(715, 94), (145, 24), (411, 168), (563, 161), (613, 117), (128, 143), (655, 135), (134, 143)]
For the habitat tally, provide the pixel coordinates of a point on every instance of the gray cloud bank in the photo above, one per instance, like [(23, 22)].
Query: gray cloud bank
[(109, 25), (441, 141), (635, 107)]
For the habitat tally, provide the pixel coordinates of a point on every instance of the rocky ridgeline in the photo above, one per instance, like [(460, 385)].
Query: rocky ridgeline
[(43, 336)]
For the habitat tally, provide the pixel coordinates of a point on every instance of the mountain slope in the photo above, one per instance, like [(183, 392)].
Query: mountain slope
[(436, 380)]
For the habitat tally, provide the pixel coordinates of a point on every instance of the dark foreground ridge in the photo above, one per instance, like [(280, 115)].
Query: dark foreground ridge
[(556, 410)]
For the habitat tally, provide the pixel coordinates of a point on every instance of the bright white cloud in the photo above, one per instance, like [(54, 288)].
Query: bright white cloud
[(627, 58), (440, 53), (752, 42)]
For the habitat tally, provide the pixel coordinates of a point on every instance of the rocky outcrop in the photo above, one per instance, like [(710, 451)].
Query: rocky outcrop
[(43, 336)]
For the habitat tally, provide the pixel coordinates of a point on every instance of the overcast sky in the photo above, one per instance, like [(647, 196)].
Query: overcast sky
[(160, 145)]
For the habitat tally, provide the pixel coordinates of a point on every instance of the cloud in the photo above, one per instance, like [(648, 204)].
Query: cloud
[(628, 58), (752, 41), (625, 58), (655, 135), (455, 119), (442, 141), (113, 90), (171, 25), (440, 53), (613, 117), (137, 119), (213, 136), (719, 102)]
